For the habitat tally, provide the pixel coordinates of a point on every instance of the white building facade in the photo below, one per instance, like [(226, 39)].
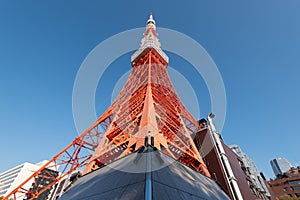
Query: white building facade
[(12, 178)]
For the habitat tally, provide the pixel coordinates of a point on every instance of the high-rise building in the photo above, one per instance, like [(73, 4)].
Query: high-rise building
[(11, 178), (280, 165)]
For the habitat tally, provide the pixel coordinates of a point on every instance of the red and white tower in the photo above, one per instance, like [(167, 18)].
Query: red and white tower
[(148, 107), (147, 111)]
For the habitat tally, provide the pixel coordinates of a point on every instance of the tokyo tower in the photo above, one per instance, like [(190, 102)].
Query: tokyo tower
[(149, 107), (146, 116)]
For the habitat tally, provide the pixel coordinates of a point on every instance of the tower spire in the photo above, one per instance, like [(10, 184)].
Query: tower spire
[(150, 20), (150, 40)]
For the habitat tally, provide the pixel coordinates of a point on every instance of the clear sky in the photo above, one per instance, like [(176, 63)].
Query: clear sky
[(255, 44)]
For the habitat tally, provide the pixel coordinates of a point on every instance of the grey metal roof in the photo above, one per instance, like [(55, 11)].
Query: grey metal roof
[(125, 179)]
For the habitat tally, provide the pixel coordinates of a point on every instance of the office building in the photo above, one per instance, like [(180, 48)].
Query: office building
[(280, 165)]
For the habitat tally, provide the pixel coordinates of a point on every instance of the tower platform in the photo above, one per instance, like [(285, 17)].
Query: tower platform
[(139, 173)]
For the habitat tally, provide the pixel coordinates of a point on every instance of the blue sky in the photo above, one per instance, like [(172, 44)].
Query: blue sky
[(255, 45)]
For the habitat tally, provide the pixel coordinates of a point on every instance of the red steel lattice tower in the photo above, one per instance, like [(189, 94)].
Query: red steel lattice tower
[(147, 108)]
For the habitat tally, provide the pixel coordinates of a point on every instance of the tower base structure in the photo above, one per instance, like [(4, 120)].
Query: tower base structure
[(146, 174)]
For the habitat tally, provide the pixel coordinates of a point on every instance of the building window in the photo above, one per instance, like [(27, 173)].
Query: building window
[(297, 194), (5, 187), (294, 182), (8, 175), (13, 171), (296, 187), (285, 189)]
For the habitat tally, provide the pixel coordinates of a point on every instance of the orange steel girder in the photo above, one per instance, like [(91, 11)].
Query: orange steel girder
[(148, 106), (74, 157)]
